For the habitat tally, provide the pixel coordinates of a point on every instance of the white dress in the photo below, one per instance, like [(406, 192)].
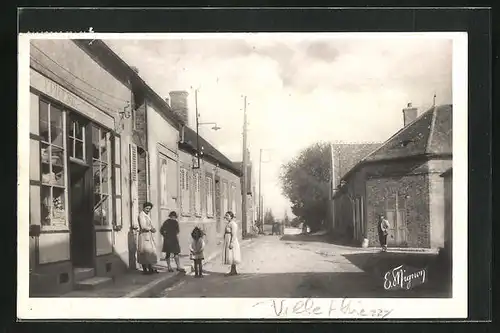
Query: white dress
[(231, 256), (146, 249)]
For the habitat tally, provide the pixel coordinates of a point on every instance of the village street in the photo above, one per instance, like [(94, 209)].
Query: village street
[(292, 266)]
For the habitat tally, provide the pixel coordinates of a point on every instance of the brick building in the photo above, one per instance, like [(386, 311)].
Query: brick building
[(345, 157), (401, 180), (448, 210)]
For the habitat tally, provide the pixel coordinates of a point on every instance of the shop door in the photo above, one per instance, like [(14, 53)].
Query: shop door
[(82, 232)]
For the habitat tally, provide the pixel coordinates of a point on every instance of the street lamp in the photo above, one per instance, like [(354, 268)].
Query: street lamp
[(215, 127), (198, 124)]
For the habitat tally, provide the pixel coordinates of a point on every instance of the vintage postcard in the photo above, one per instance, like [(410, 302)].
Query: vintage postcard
[(263, 175)]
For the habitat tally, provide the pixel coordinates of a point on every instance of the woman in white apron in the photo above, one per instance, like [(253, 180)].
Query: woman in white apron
[(146, 249), (231, 254)]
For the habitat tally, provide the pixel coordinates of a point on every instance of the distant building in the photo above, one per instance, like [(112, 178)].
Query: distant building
[(401, 180)]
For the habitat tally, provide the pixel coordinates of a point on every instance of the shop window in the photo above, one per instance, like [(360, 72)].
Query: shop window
[(77, 139), (53, 164), (101, 161)]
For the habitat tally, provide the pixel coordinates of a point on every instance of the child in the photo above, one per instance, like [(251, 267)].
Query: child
[(196, 248)]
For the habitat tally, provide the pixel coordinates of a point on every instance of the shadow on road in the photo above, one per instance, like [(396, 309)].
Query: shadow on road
[(292, 285), (314, 238)]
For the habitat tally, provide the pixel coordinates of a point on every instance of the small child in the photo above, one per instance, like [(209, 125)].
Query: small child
[(196, 248)]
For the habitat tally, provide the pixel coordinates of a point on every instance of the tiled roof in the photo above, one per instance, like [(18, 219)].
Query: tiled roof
[(209, 151), (347, 155), (431, 133)]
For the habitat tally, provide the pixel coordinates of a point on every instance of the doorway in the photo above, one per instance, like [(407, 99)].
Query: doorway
[(82, 231)]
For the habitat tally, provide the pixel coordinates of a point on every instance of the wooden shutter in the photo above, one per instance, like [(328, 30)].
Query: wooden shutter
[(134, 189)]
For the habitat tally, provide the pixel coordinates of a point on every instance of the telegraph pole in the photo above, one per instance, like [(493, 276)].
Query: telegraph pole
[(260, 190), (244, 191)]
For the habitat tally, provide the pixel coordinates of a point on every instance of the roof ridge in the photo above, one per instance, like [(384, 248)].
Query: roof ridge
[(396, 134), (431, 130)]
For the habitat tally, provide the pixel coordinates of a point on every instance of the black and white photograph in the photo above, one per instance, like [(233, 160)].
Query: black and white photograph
[(243, 175)]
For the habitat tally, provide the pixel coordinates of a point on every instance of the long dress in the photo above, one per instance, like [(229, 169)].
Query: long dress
[(170, 232), (146, 249), (231, 256)]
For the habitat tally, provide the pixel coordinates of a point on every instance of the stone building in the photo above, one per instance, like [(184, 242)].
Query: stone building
[(401, 180)]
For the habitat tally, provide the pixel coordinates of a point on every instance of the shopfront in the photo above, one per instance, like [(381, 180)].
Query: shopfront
[(75, 185)]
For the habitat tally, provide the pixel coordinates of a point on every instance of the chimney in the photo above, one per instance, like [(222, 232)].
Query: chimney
[(135, 69), (167, 100), (178, 104), (409, 114)]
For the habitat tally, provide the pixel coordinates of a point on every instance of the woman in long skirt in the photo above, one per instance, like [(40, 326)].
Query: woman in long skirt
[(170, 232), (231, 254), (146, 249)]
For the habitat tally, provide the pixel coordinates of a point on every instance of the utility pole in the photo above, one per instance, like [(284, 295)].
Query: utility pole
[(260, 188), (245, 171), (197, 130)]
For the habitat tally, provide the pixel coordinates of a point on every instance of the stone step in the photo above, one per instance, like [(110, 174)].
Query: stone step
[(81, 274), (93, 283)]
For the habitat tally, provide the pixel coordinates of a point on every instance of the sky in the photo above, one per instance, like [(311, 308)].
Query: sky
[(300, 88)]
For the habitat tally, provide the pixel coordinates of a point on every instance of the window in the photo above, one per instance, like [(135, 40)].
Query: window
[(101, 160), (185, 195), (225, 199), (209, 195), (77, 139), (163, 182), (53, 164), (118, 182), (233, 198), (197, 193)]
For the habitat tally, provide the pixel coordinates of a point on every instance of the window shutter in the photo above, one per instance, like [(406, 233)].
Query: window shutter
[(147, 177), (134, 190), (110, 179)]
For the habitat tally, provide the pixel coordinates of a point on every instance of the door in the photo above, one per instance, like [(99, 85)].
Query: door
[(82, 231), (168, 186), (396, 216)]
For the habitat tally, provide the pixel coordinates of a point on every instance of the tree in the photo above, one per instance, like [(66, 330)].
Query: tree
[(295, 222), (269, 217), (306, 181)]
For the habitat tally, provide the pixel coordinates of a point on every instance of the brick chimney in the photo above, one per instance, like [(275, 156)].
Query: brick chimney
[(178, 103), (409, 114)]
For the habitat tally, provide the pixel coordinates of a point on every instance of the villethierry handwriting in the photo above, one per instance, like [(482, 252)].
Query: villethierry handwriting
[(284, 308)]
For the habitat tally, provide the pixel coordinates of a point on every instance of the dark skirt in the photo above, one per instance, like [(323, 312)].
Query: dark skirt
[(171, 245)]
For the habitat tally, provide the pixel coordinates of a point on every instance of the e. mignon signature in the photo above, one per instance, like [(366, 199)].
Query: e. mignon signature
[(403, 277)]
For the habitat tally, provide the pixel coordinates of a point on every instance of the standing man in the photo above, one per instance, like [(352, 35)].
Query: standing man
[(383, 231)]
